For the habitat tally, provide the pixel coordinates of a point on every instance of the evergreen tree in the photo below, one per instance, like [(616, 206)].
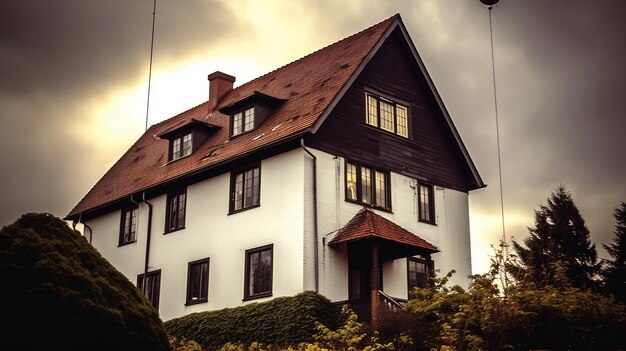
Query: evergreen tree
[(614, 273), (558, 246)]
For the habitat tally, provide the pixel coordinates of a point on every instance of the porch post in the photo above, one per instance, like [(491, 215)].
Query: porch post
[(376, 283)]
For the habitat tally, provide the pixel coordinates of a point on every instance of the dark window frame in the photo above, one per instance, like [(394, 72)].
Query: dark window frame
[(246, 288), (431, 203), (391, 101), (181, 138), (124, 211), (168, 210), (232, 192), (359, 183), (427, 269), (155, 294), (242, 123), (203, 284)]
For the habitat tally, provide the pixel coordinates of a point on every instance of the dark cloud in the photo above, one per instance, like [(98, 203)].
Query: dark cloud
[(561, 88)]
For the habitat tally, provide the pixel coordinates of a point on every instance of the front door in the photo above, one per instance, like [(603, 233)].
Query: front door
[(359, 287)]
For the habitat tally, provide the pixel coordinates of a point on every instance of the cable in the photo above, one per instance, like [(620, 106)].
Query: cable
[(495, 99), (150, 70)]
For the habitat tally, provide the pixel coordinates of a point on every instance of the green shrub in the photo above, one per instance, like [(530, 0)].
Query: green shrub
[(58, 293), (280, 321)]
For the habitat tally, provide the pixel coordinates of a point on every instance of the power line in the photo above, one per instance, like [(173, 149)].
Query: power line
[(151, 54)]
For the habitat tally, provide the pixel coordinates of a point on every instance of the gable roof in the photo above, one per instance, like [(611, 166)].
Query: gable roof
[(367, 224), (310, 87)]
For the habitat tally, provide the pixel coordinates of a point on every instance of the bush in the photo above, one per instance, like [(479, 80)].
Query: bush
[(280, 321), (58, 293)]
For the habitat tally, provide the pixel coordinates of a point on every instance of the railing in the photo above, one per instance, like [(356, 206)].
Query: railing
[(389, 301)]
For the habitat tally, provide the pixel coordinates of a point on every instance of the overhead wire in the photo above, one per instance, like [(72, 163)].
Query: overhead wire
[(151, 55)]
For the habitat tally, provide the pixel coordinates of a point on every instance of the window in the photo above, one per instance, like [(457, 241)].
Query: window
[(387, 115), (417, 273), (367, 185), (198, 281), (128, 226), (153, 286), (426, 204), (243, 122), (176, 206), (258, 278), (181, 147), (245, 189)]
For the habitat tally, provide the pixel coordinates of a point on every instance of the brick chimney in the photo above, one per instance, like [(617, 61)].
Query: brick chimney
[(219, 84)]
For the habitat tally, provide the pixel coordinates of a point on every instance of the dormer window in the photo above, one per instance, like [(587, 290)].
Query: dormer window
[(182, 146), (243, 121)]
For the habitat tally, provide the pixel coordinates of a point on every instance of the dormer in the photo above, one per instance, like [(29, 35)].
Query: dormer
[(248, 113), (184, 139)]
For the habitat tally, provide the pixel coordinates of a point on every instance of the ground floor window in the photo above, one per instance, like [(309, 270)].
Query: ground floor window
[(153, 286), (258, 275), (198, 281), (417, 273)]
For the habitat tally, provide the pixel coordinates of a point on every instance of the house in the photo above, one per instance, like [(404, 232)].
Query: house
[(340, 172)]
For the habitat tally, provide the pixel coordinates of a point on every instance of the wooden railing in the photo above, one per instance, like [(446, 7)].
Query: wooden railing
[(389, 301)]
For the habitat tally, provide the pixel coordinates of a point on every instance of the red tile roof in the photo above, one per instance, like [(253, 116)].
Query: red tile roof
[(308, 85), (367, 224)]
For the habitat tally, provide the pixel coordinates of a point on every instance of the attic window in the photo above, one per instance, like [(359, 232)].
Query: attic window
[(181, 147), (387, 115), (243, 121)]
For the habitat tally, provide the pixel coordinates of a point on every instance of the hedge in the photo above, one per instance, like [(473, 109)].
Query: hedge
[(59, 293), (280, 321)]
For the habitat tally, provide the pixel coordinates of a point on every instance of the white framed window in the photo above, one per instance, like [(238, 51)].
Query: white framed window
[(387, 115)]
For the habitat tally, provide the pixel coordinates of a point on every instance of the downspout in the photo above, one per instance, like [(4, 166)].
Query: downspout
[(315, 249), (148, 235), (80, 216)]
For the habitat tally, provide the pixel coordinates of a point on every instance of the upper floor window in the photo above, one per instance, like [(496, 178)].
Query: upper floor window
[(426, 203), (176, 208), (258, 279), (417, 273), (367, 185), (152, 288), (245, 188), (198, 281), (128, 226), (387, 115), (243, 121), (181, 146)]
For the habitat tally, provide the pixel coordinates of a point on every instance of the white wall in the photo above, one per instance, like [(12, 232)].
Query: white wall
[(450, 234), (211, 232)]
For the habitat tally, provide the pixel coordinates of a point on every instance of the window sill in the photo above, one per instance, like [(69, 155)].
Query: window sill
[(378, 129), (427, 222), (243, 209), (178, 159), (128, 243), (173, 230), (257, 296), (196, 302), (384, 209)]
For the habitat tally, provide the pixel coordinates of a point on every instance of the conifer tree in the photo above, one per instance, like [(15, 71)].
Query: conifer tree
[(614, 273), (558, 246)]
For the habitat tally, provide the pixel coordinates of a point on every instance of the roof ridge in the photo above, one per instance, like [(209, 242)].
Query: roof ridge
[(397, 15)]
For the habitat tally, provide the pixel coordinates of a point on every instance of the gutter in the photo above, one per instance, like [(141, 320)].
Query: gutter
[(315, 230), (148, 235)]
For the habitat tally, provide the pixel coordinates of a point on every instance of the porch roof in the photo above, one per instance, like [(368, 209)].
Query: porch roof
[(367, 224)]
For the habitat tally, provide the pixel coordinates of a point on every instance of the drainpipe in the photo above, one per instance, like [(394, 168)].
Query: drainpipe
[(315, 249), (80, 216), (148, 235)]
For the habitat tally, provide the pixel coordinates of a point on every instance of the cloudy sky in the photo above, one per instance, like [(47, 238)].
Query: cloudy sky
[(73, 88)]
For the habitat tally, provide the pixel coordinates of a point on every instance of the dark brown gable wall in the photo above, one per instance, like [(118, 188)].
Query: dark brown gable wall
[(430, 154)]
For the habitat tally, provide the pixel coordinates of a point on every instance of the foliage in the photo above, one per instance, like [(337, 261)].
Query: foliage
[(182, 344), (614, 272), (280, 321), (559, 237), (500, 314), (58, 293)]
